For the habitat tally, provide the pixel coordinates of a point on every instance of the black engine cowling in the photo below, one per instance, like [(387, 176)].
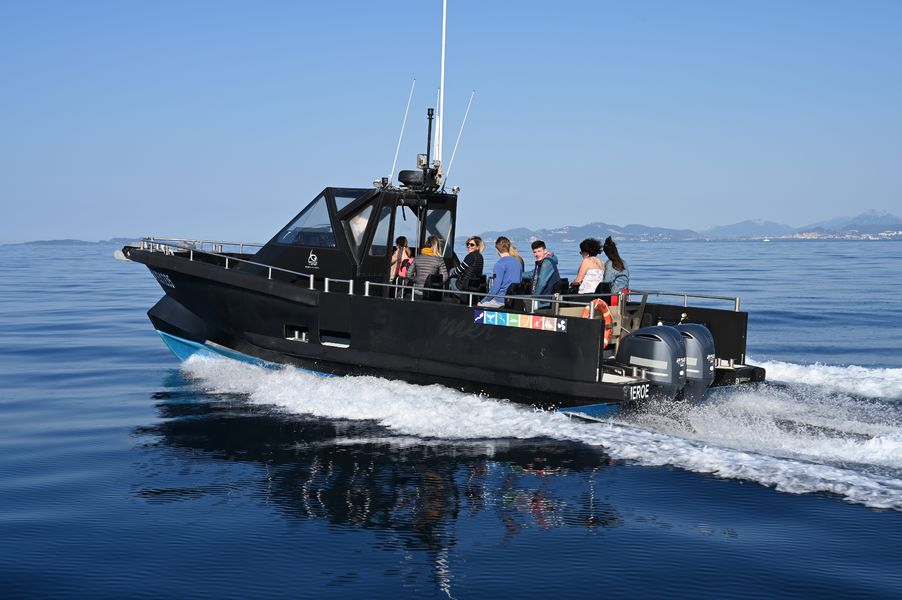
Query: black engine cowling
[(699, 344), (660, 353)]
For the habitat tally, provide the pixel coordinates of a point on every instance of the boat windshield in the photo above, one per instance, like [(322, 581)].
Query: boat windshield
[(311, 228)]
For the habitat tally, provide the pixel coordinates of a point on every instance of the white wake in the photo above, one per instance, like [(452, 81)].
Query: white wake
[(808, 435), (854, 380)]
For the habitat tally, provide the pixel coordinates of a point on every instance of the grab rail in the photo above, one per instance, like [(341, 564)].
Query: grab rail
[(170, 245), (349, 282), (734, 299), (550, 298), (215, 245), (166, 246)]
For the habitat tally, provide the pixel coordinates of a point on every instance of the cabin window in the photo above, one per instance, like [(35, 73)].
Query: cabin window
[(343, 198), (380, 243), (311, 228), (438, 223), (355, 225), (406, 225)]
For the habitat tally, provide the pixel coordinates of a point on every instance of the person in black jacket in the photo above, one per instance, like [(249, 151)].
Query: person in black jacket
[(470, 268)]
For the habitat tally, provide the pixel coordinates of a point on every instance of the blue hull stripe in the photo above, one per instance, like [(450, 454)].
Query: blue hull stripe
[(592, 411), (184, 349)]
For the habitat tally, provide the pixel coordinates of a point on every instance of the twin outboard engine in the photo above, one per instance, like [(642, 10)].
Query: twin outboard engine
[(699, 345), (659, 353), (679, 361)]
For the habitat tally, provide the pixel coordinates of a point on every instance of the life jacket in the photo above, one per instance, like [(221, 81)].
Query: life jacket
[(404, 263)]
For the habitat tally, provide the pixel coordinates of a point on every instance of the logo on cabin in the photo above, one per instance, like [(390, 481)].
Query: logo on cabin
[(312, 260)]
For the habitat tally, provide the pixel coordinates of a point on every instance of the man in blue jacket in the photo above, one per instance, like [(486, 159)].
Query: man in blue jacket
[(545, 275)]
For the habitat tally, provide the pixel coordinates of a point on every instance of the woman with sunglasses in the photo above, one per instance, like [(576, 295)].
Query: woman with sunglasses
[(470, 268)]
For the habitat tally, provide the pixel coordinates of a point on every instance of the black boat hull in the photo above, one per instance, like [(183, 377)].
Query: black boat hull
[(415, 341), (551, 362)]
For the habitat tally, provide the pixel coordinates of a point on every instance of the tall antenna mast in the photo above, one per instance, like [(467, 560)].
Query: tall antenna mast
[(391, 173), (459, 133), (441, 91), (438, 93)]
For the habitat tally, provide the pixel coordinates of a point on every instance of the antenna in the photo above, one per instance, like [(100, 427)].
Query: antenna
[(434, 147), (400, 137), (441, 90), (459, 133)]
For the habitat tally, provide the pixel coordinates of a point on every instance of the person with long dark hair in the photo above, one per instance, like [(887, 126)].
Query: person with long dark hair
[(615, 270), (470, 268), (591, 269), (400, 259)]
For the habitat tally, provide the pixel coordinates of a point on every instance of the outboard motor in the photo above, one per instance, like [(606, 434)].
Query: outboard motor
[(659, 351), (699, 345)]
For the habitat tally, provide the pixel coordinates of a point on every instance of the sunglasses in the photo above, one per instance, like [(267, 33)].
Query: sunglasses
[(471, 245)]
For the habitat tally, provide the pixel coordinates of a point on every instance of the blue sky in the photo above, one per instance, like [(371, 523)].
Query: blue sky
[(222, 119)]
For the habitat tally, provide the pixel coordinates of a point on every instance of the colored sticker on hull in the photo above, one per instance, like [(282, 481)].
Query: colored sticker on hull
[(536, 322)]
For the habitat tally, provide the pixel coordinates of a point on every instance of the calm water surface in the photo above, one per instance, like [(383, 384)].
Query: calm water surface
[(124, 474)]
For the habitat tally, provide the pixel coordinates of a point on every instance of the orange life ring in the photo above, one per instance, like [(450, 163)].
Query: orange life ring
[(602, 308)]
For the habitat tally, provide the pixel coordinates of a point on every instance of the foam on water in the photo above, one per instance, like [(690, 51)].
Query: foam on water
[(854, 380), (795, 438)]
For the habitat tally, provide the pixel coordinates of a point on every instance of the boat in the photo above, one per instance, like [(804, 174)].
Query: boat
[(317, 296)]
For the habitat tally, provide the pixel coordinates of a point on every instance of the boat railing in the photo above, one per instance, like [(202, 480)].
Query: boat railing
[(170, 246), (557, 301), (217, 246), (734, 300), (414, 293), (348, 282)]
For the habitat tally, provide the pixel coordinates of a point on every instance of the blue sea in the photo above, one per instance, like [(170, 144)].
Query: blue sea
[(125, 474)]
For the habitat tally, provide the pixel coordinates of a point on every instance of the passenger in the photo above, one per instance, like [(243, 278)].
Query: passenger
[(508, 270), (545, 275), (401, 259), (615, 270), (591, 269), (429, 262), (470, 268)]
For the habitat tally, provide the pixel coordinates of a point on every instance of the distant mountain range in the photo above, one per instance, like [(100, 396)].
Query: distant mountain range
[(72, 242), (868, 225), (870, 222), (756, 228), (120, 241)]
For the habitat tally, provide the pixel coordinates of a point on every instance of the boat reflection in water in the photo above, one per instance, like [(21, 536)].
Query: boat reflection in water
[(357, 474)]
